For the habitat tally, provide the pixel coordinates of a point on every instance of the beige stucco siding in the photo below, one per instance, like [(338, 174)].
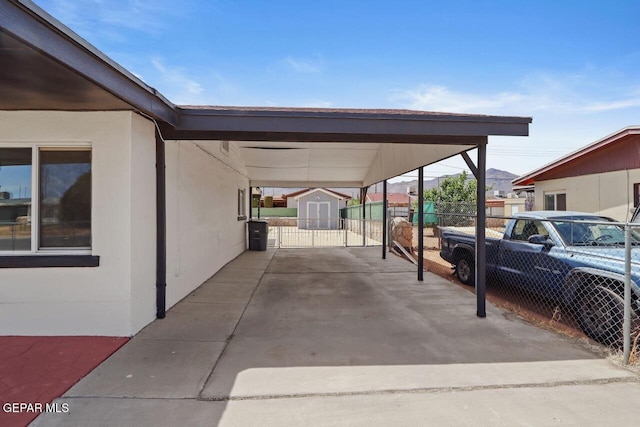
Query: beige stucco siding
[(80, 301), (117, 298), (203, 230), (608, 194)]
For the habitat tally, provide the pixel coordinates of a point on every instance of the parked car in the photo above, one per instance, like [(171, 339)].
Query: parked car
[(574, 258)]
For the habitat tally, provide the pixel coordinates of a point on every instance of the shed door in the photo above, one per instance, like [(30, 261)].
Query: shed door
[(318, 214)]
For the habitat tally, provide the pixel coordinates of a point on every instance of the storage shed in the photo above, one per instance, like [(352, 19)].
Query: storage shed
[(319, 209)]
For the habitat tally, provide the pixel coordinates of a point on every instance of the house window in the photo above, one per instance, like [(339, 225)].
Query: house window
[(555, 202), (242, 204), (45, 199)]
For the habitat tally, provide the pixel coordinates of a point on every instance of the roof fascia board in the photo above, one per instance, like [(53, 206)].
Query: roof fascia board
[(530, 177), (349, 122), (30, 24), (169, 133)]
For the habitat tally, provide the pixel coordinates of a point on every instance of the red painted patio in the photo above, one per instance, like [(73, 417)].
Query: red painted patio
[(40, 369)]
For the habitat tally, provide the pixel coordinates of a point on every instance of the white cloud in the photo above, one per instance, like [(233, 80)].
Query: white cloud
[(176, 85), (441, 98), (613, 105), (106, 17), (574, 94), (304, 66)]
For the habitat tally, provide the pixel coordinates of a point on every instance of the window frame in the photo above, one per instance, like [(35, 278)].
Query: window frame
[(48, 255), (555, 195)]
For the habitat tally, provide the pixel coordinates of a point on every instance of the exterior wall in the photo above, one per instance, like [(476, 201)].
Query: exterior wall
[(143, 222), (96, 300), (608, 194), (319, 196), (203, 231), (512, 206)]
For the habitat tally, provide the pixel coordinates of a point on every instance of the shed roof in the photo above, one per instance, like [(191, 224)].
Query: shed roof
[(331, 193), (48, 67)]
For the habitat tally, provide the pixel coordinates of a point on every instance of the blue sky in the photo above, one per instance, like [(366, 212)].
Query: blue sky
[(574, 66)]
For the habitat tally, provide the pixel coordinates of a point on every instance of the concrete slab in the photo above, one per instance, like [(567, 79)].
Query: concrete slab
[(195, 321), (347, 319), (234, 275), (109, 412), (152, 369), (578, 405), (325, 260), (249, 263), (340, 337), (222, 292), (335, 380)]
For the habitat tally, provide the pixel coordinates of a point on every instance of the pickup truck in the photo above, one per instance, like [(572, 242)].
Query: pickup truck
[(573, 258)]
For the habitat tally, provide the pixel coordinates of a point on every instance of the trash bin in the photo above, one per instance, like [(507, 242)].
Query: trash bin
[(257, 235)]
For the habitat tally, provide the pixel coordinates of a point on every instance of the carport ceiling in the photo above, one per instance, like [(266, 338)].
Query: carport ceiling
[(48, 67), (338, 164)]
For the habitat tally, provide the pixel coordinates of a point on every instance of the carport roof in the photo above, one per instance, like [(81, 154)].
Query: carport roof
[(48, 67)]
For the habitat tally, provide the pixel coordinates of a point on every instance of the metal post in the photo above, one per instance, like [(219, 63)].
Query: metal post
[(364, 216), (420, 223), (161, 229), (251, 202), (481, 249), (384, 219), (626, 326), (259, 201)]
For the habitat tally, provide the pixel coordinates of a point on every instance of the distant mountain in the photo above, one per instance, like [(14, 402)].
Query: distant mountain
[(497, 179)]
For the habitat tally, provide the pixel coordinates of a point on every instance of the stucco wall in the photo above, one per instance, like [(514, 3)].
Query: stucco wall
[(203, 232), (608, 194), (95, 300), (142, 168)]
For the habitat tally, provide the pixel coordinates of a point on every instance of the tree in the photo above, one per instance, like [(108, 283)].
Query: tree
[(455, 200), (454, 189)]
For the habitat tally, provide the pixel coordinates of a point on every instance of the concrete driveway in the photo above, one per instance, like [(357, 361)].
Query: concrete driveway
[(341, 337)]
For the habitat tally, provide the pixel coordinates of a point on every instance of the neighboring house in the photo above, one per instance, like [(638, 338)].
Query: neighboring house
[(602, 178), (319, 208)]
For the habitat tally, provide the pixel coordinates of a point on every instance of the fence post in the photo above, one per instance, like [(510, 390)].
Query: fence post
[(344, 227), (279, 236), (626, 326)]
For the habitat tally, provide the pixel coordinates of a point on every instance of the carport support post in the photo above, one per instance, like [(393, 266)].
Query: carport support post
[(420, 223), (384, 219), (161, 229), (363, 202), (481, 248)]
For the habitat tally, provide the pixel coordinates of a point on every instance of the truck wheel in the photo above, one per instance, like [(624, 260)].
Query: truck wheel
[(601, 314), (466, 269)]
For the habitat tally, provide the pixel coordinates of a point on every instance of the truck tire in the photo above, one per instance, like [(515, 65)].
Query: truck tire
[(466, 269), (600, 315)]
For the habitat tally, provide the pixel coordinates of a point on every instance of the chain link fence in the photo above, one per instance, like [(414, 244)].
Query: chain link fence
[(578, 273)]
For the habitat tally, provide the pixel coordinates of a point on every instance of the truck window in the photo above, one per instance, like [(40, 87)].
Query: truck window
[(525, 228)]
